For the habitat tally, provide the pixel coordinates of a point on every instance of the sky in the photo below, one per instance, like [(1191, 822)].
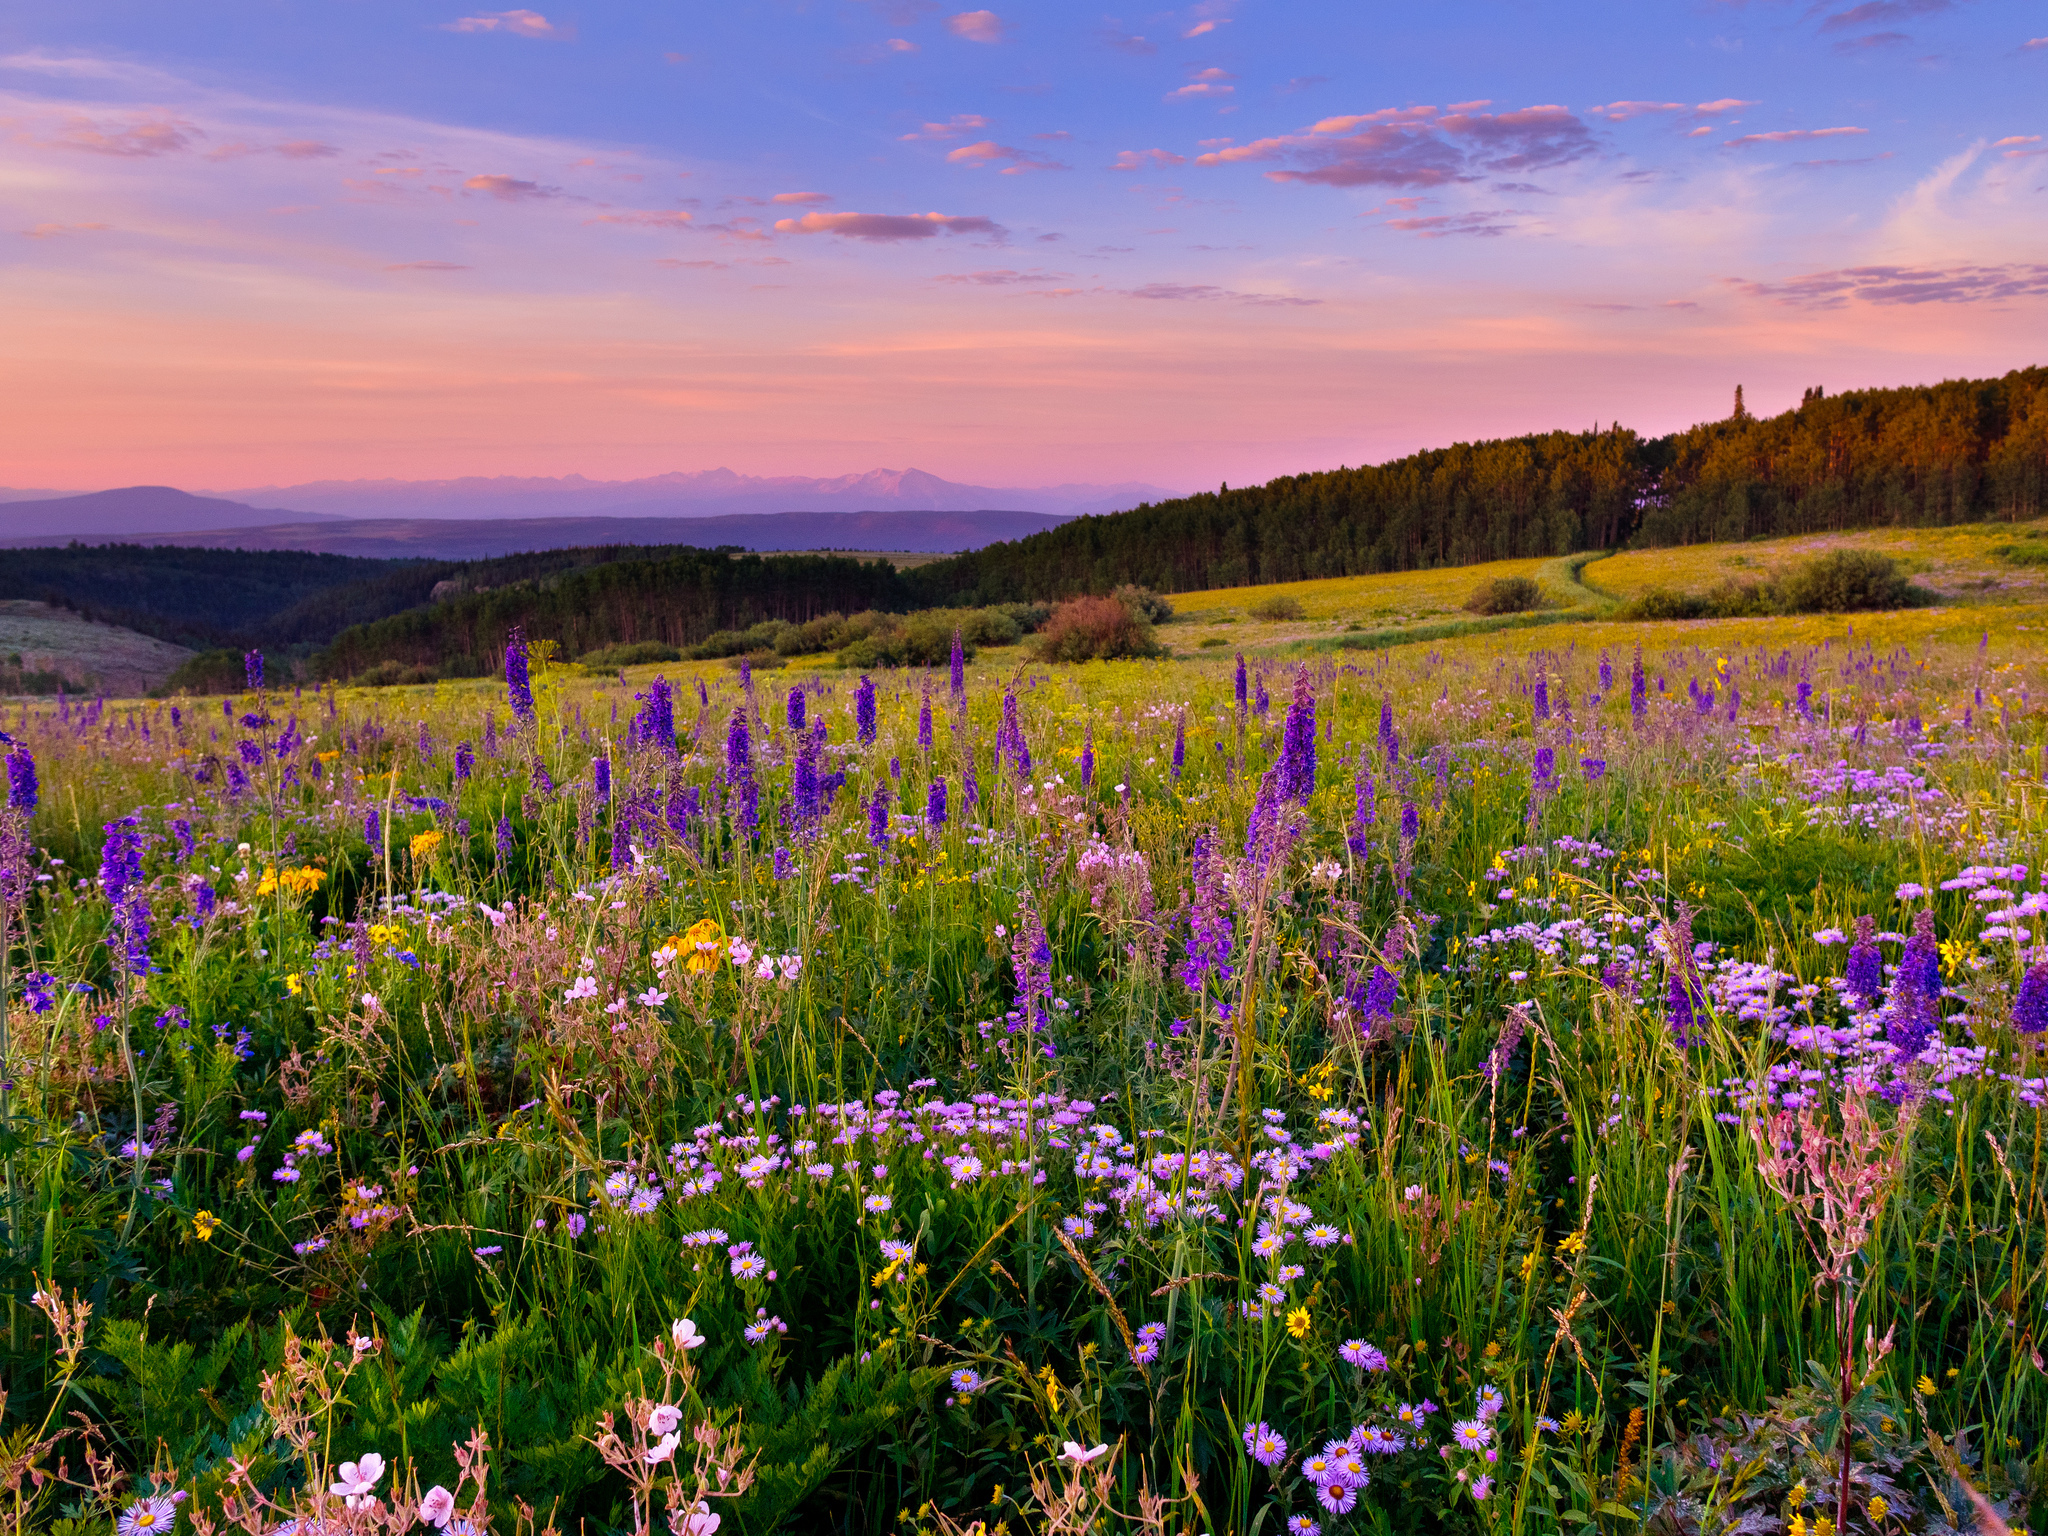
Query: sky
[(265, 241)]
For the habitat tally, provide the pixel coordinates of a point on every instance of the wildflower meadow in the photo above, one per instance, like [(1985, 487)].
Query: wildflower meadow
[(1527, 1084)]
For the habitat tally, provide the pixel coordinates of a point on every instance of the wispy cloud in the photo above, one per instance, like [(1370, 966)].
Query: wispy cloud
[(801, 197), (1793, 136), (426, 266), (956, 127), (887, 227), (50, 231), (1206, 293), (518, 23), (645, 218), (998, 277), (1436, 226), (1888, 285), (1204, 28), (1418, 147), (1882, 12), (977, 26), (1115, 36)]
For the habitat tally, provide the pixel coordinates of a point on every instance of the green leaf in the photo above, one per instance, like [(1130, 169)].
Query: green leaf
[(1616, 1509)]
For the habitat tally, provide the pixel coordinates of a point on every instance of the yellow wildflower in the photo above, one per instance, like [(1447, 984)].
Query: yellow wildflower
[(704, 943), (1797, 1496), (1877, 1508), (294, 984), (1797, 1526), (1298, 1322), (204, 1225), (424, 845), (1925, 1386)]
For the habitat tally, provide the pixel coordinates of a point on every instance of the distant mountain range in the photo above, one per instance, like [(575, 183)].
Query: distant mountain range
[(476, 539), (711, 493), (136, 509)]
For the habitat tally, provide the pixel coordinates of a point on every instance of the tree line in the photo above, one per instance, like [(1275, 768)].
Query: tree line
[(1960, 451)]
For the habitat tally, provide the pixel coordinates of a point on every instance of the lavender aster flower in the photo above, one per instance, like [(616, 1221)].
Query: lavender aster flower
[(1264, 1444)]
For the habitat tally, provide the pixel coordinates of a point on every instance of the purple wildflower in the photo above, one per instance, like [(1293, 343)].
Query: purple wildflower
[(121, 879), (1411, 822), (1264, 1444), (1180, 743), (739, 773), (1542, 696), (1238, 685), (2030, 1008), (1543, 772), (1298, 743), (878, 817), (517, 689), (794, 709), (935, 805), (601, 778), (1863, 975), (373, 831), (1210, 933), (655, 723), (21, 780), (864, 711), (465, 761), (1088, 757), (504, 841), (1364, 813), (1390, 739), (1594, 768), (252, 670), (924, 723), (1916, 992), (1031, 959), (957, 670), (1638, 689)]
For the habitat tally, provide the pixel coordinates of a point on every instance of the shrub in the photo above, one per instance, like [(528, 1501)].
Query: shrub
[(1095, 629), (1144, 602), (760, 661), (1030, 618), (1847, 580), (208, 672), (2022, 554), (1658, 603), (1505, 594), (638, 654), (389, 674), (739, 642), (1277, 607)]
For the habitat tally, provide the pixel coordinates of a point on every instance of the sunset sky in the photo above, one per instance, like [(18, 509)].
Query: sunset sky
[(264, 241)]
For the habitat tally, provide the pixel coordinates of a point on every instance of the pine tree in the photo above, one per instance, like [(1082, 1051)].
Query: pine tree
[(1741, 410)]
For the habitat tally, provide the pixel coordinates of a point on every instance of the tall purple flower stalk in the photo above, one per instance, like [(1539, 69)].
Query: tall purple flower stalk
[(794, 709), (1210, 933), (805, 810), (878, 817), (1239, 685), (252, 670), (1606, 673), (924, 723), (517, 688), (465, 761), (2030, 1007), (127, 896), (1261, 700), (1010, 739), (1638, 689), (1915, 1013), (935, 805), (739, 774), (601, 778), (503, 842), (1542, 696), (1390, 739), (1863, 976), (21, 780), (956, 672), (1088, 757), (1298, 743), (654, 724), (1031, 959), (1180, 744), (1411, 822), (1364, 812), (1681, 992), (1543, 769), (864, 711)]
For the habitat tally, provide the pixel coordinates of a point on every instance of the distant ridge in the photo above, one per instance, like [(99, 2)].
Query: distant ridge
[(134, 509), (709, 493), (466, 539)]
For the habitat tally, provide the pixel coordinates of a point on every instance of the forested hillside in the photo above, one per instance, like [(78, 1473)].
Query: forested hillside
[(1953, 452), (677, 600)]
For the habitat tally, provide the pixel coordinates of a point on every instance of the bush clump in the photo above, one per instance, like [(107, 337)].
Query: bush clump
[(1841, 581), (1096, 629), (1847, 581), (1277, 608), (1505, 594), (1145, 603), (925, 639), (637, 654)]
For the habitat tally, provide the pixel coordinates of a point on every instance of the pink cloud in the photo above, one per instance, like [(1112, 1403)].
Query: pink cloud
[(1724, 104), (887, 226), (1419, 147), (510, 189), (994, 277), (1207, 82), (426, 266), (801, 197), (1792, 135), (1127, 42), (518, 23), (1204, 28), (1146, 159), (976, 26), (988, 152), (47, 231), (1622, 111), (645, 218), (161, 134), (1877, 12), (900, 45), (1904, 285), (2035, 42), (1206, 292), (958, 126)]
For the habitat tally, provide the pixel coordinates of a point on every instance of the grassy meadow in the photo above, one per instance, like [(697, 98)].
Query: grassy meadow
[(1578, 1077)]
